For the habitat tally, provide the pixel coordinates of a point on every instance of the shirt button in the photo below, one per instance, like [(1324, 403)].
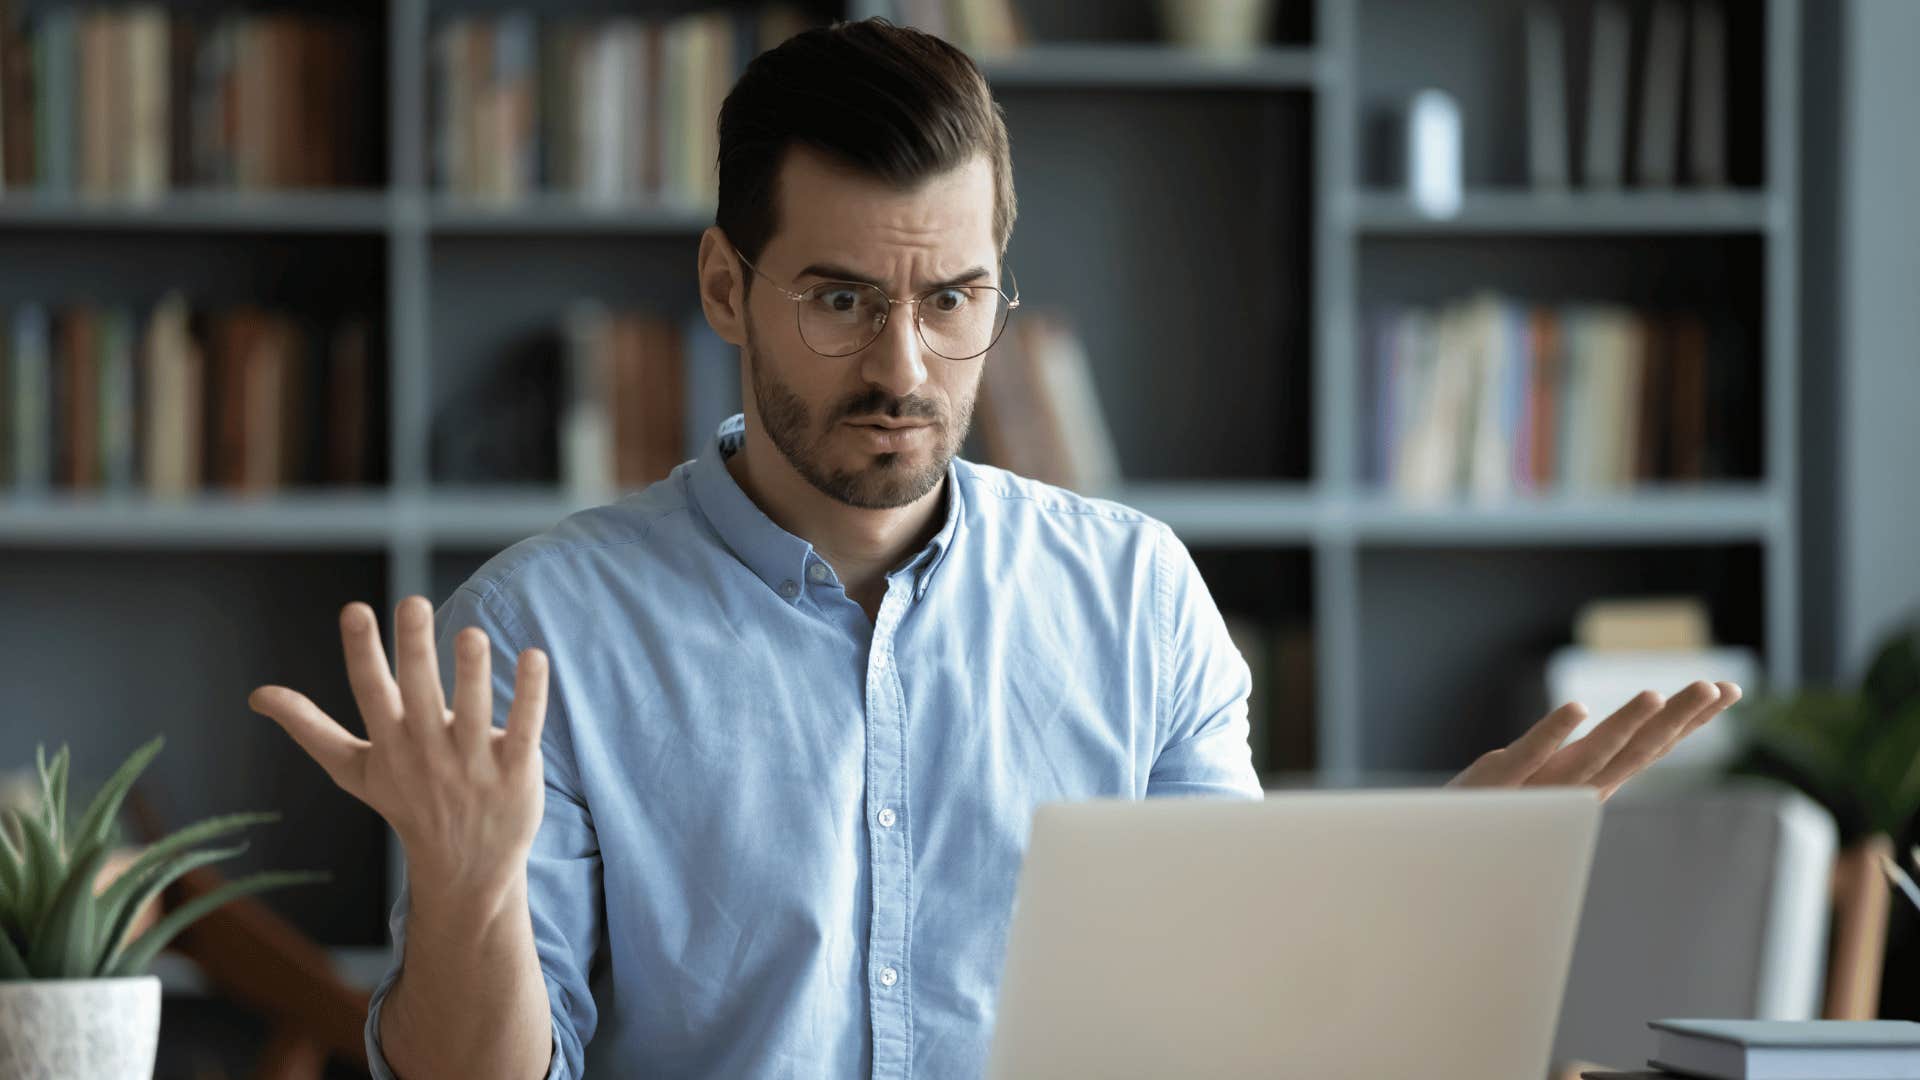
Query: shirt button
[(888, 976), (886, 818), (817, 573), (789, 589)]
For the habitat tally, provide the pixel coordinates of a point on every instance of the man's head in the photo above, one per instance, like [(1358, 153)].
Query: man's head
[(862, 152)]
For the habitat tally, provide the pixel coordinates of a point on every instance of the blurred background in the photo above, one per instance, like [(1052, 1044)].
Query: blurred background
[(1486, 353)]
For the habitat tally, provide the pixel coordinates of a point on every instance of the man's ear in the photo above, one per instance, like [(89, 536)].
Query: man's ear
[(722, 292)]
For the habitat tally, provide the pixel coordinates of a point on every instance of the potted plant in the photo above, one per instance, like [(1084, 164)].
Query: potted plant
[(75, 996), (1856, 751)]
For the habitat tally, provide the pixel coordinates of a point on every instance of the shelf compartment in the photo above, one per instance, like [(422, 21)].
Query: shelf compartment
[(106, 650), (1454, 640)]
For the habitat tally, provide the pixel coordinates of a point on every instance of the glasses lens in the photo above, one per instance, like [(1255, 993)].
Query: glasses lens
[(838, 318), (963, 322)]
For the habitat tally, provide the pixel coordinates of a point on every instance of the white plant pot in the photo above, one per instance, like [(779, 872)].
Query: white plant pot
[(102, 1029)]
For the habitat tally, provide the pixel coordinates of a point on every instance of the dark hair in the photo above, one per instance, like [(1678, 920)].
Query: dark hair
[(892, 101)]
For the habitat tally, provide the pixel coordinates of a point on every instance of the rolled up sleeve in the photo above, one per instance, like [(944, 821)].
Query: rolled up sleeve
[(1202, 687), (564, 890)]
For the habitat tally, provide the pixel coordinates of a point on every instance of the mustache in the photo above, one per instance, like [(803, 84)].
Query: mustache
[(880, 403)]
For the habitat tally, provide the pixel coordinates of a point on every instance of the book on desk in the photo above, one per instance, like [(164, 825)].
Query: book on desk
[(1779, 1050)]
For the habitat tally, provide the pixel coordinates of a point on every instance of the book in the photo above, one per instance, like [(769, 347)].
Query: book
[(1547, 154), (1604, 163), (1707, 96), (1038, 411), (1664, 622), (30, 360), (173, 400), (1659, 143), (118, 416), (16, 108), (1788, 1049), (349, 385)]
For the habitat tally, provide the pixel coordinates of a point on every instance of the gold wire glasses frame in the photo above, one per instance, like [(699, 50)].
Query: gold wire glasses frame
[(839, 318)]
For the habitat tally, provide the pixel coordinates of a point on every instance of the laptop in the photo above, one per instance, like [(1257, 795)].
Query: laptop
[(1353, 934)]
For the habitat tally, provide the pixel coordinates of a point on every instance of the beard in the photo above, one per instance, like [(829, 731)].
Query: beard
[(886, 481)]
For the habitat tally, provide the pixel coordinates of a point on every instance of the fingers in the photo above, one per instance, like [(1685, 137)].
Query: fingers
[(341, 753), (528, 714), (420, 692), (1576, 762), (1528, 752), (472, 690), (372, 680), (1715, 698), (1729, 696), (1656, 735)]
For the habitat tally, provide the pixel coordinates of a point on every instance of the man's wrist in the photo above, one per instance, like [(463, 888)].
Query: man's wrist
[(442, 906)]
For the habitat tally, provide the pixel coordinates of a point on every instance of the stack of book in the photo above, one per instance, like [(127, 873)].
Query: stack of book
[(1038, 413), (623, 428), (1492, 397), (643, 394), (1780, 1050), (132, 101), (1680, 132), (98, 398), (607, 110)]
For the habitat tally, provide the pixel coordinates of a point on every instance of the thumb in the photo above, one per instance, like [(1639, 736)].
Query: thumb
[(340, 752)]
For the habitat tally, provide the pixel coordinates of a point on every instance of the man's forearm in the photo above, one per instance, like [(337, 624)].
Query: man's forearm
[(470, 1000)]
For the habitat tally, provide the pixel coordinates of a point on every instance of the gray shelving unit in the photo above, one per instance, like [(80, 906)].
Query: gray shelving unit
[(1239, 413)]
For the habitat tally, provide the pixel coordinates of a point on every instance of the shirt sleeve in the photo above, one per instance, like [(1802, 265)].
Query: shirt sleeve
[(1201, 689), (563, 868)]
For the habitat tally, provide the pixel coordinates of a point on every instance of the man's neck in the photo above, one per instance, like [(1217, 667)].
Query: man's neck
[(861, 545)]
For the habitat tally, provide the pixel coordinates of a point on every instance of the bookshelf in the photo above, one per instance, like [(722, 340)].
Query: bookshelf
[(1243, 190)]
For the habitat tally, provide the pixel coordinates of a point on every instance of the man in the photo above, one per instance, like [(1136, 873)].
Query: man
[(805, 692)]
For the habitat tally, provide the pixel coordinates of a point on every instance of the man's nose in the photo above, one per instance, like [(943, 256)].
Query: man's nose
[(896, 360)]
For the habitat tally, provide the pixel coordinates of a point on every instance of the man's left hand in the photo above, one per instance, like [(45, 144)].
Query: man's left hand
[(1636, 736)]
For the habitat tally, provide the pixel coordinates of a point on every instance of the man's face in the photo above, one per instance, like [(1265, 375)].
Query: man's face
[(824, 413)]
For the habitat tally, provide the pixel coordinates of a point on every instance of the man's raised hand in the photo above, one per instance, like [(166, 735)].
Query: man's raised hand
[(464, 797), (1638, 734)]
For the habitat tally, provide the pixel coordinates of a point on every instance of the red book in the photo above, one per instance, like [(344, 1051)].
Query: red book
[(1544, 398)]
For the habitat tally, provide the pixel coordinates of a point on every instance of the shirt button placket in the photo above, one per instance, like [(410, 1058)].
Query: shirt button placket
[(888, 851)]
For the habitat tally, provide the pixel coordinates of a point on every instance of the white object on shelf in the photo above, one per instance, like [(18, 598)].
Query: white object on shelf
[(1433, 154), (1605, 680)]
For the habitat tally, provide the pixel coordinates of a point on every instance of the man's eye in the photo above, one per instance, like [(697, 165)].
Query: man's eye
[(948, 300), (840, 299)]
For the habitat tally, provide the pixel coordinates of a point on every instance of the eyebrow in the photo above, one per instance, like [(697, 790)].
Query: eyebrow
[(841, 273)]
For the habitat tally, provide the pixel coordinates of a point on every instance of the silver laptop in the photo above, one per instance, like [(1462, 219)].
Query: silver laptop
[(1376, 935)]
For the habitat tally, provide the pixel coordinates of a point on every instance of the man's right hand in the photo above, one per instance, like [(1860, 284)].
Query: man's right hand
[(464, 797)]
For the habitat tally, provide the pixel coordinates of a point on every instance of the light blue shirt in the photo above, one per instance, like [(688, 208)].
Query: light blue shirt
[(781, 839)]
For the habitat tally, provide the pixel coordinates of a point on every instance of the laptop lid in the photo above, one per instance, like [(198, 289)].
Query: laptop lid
[(1361, 934)]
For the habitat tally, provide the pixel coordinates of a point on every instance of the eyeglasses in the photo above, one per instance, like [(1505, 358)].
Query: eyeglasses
[(839, 318)]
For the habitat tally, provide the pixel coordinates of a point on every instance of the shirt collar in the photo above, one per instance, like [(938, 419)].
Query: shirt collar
[(776, 556)]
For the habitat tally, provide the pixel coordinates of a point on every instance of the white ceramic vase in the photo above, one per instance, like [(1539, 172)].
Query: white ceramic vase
[(60, 1029)]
